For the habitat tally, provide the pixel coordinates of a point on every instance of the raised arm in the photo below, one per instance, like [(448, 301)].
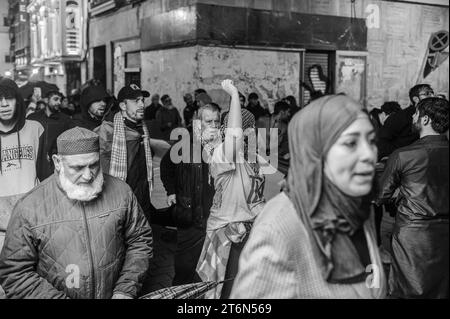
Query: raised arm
[(233, 133)]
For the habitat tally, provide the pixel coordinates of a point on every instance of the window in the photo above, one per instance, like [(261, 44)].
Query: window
[(8, 59), (5, 22)]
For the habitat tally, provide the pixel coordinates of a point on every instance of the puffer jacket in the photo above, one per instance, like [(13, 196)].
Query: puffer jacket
[(60, 248)]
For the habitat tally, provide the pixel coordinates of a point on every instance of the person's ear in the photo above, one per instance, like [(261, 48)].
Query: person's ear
[(426, 120), (122, 106), (57, 162), (416, 99)]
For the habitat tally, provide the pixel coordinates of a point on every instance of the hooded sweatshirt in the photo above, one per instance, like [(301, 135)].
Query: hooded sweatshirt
[(89, 95), (20, 148)]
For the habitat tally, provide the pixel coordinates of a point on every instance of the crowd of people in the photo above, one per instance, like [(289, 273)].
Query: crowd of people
[(77, 180)]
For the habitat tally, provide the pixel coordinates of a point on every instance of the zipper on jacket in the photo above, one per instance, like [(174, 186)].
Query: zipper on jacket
[(91, 258)]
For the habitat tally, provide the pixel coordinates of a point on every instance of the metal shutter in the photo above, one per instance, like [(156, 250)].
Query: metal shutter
[(311, 58)]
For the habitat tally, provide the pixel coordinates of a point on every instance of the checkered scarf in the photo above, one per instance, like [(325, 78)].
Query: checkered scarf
[(212, 264), (189, 291), (119, 167)]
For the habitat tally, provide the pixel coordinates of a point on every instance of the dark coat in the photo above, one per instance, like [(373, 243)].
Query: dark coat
[(150, 111), (86, 121), (194, 190), (59, 248), (420, 239), (396, 132), (54, 125), (257, 110)]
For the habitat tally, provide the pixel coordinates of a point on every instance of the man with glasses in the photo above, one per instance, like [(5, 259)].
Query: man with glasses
[(397, 130)]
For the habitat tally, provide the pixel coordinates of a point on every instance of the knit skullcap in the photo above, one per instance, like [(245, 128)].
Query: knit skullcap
[(78, 140)]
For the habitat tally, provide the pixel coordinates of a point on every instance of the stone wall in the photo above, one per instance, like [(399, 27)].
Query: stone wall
[(271, 74)]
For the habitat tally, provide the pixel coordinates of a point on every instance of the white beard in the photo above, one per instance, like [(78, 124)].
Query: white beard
[(83, 193)]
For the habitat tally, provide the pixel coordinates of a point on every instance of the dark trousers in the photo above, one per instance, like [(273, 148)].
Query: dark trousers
[(378, 219), (232, 267), (189, 247)]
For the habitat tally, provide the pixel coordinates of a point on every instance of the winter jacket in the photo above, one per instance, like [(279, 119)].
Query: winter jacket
[(60, 248), (194, 190), (54, 125)]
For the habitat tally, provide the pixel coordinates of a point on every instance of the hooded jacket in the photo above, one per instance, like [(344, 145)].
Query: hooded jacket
[(20, 149), (88, 96)]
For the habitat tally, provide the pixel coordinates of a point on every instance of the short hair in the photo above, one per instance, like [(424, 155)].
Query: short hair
[(390, 107), (415, 90), (53, 92), (216, 105), (164, 97), (253, 95), (199, 91), (437, 110), (280, 106), (213, 107)]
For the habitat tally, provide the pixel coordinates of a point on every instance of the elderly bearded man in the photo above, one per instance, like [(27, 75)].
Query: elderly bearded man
[(79, 234)]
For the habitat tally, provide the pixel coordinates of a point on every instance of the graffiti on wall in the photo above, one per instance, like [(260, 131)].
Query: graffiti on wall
[(319, 83), (435, 54)]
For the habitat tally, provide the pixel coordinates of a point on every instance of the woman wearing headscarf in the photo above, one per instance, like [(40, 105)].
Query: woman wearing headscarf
[(238, 198), (316, 239)]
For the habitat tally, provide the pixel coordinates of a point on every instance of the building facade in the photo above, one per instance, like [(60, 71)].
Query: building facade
[(20, 39), (6, 59), (372, 50), (58, 41)]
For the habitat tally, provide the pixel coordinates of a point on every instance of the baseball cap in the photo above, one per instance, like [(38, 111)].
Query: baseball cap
[(131, 92)]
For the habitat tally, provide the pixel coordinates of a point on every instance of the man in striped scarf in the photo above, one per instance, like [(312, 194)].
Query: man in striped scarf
[(125, 145)]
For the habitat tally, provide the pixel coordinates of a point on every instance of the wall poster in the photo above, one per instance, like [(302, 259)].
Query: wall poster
[(351, 72)]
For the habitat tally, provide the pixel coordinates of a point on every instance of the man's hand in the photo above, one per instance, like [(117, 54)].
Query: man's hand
[(171, 200), (120, 296), (228, 86), (36, 95), (210, 134)]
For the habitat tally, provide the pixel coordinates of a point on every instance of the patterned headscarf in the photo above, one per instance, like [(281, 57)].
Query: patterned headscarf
[(329, 215)]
